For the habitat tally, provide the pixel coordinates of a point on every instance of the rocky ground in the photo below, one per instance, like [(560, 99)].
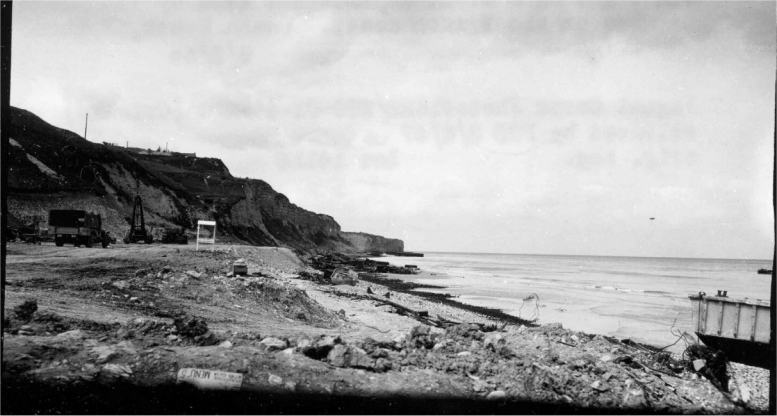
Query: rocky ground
[(110, 330)]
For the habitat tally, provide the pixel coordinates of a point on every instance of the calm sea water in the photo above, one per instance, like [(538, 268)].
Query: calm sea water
[(627, 297)]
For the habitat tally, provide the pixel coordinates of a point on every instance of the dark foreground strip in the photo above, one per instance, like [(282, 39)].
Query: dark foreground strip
[(27, 397)]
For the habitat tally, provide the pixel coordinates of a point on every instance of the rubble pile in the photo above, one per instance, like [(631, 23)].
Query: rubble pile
[(544, 364), (541, 364)]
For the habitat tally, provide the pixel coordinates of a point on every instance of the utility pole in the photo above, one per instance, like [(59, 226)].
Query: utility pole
[(86, 124)]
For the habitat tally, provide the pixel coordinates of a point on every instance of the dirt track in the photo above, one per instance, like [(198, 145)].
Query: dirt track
[(106, 320)]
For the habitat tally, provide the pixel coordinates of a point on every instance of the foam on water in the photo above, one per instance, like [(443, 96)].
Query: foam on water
[(628, 297)]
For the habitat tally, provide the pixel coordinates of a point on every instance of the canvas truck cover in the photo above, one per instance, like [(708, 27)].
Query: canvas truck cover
[(73, 218)]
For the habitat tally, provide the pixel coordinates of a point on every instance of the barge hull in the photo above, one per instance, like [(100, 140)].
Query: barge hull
[(747, 352)]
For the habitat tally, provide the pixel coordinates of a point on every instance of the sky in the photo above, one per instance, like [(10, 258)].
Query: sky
[(501, 127)]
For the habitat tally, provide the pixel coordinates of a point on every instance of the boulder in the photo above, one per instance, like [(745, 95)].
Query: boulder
[(342, 276), (348, 356), (190, 326), (274, 380), (273, 344), (383, 364), (479, 386), (494, 341), (496, 395), (25, 310), (319, 348), (421, 337), (104, 353), (634, 398), (117, 370), (120, 284), (600, 386), (303, 342), (338, 356), (420, 330), (71, 335), (208, 338)]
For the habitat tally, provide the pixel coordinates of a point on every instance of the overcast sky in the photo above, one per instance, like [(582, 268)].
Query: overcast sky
[(556, 128)]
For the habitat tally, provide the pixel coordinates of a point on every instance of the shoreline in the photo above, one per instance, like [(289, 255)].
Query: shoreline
[(444, 298), (596, 296)]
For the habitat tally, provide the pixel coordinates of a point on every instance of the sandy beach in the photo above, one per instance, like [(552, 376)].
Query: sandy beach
[(644, 299), (123, 317)]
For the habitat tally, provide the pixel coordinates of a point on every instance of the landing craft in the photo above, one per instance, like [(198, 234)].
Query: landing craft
[(738, 327)]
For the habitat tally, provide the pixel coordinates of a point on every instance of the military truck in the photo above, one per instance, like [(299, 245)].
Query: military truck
[(77, 227)]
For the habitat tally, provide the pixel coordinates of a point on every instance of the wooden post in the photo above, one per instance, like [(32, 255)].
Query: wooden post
[(5, 103), (86, 124), (772, 306)]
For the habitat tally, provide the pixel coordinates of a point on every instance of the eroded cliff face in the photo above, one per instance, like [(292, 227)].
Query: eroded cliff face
[(367, 242), (263, 216), (52, 168)]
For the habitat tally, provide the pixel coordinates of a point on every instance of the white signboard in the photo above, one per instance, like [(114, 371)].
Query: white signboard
[(209, 237), (210, 379)]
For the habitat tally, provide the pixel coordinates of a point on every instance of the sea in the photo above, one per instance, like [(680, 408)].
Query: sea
[(640, 298)]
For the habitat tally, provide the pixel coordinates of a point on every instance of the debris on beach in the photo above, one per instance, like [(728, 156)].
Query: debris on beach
[(330, 262), (279, 338), (343, 276), (24, 311), (710, 363)]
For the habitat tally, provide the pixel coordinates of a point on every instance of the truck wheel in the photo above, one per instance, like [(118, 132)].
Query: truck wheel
[(59, 242), (105, 242), (88, 242)]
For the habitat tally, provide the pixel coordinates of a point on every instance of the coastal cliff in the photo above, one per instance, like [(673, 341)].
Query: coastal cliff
[(368, 242), (53, 168)]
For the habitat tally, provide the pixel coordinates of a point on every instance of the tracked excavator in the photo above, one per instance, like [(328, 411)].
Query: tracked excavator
[(138, 232)]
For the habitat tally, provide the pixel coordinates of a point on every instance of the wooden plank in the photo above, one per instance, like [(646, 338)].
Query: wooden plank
[(210, 379), (755, 319), (704, 317), (736, 325)]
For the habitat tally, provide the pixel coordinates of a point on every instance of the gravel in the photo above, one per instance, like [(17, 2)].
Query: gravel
[(752, 381)]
